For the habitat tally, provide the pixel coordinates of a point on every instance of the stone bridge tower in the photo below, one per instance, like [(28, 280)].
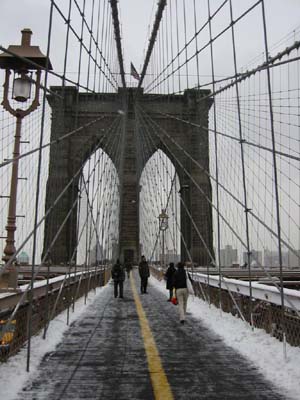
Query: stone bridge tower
[(96, 112)]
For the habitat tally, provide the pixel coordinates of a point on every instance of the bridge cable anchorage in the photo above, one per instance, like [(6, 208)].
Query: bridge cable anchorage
[(114, 9), (158, 17)]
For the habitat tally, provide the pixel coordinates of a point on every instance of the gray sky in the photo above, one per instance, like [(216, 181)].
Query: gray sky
[(136, 21), (282, 17)]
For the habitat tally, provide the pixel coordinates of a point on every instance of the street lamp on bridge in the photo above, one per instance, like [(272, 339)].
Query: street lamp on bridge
[(22, 60), (163, 226)]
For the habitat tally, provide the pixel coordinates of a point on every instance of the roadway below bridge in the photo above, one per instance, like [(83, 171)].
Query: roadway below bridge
[(136, 349)]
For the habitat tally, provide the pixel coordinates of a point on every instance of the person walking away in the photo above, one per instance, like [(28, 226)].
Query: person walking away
[(144, 274), (180, 284), (128, 267), (118, 276), (169, 275)]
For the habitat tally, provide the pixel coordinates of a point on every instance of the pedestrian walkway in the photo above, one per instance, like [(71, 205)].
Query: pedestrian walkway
[(136, 349)]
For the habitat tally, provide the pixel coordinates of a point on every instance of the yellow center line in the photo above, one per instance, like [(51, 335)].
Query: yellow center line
[(160, 384)]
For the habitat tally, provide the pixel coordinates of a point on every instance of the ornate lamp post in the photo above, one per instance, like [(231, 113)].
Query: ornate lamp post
[(22, 60), (163, 226)]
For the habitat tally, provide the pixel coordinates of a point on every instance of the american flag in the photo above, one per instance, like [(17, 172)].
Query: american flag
[(134, 72)]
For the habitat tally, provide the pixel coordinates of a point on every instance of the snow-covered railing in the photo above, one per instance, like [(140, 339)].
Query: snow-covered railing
[(259, 291), (263, 311)]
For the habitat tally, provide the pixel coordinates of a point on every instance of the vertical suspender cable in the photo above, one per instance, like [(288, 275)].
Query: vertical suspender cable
[(275, 177), (177, 37), (172, 50), (90, 44), (96, 47), (37, 198), (216, 157), (246, 210), (196, 41), (102, 36), (185, 43)]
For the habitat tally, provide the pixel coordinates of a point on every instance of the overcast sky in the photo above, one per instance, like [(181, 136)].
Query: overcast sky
[(282, 17), (137, 17)]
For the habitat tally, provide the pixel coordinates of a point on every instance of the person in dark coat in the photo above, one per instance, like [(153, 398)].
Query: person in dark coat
[(128, 267), (182, 294), (169, 278), (144, 274), (118, 276)]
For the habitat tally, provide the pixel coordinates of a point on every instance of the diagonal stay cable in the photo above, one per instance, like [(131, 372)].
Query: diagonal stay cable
[(56, 141), (221, 186)]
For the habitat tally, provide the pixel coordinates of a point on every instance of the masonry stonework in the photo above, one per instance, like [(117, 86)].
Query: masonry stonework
[(97, 112)]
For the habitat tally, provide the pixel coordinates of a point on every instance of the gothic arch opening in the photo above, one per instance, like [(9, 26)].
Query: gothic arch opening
[(159, 202), (98, 211)]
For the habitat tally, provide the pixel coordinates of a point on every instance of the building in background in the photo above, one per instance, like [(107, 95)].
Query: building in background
[(228, 256), (271, 258), (96, 254), (171, 256), (293, 259), (256, 258), (23, 258)]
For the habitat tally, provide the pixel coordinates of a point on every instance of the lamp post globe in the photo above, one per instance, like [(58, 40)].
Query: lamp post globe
[(163, 226)]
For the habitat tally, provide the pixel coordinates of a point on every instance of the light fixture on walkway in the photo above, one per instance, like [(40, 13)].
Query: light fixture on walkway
[(163, 226), (22, 60)]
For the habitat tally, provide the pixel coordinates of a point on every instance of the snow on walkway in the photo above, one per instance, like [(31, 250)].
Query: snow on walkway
[(263, 350), (13, 373)]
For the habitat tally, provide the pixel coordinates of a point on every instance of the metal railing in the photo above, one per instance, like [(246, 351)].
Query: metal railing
[(233, 297), (49, 300)]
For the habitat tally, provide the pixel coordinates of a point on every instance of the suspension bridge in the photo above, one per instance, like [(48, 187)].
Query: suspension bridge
[(191, 155)]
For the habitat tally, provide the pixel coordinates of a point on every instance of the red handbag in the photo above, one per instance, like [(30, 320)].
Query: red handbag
[(174, 301)]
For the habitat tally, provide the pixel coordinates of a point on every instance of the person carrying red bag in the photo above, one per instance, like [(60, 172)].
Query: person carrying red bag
[(182, 294)]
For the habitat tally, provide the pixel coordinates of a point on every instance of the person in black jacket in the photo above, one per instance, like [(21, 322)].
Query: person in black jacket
[(118, 276), (144, 274), (169, 278), (180, 284), (128, 267)]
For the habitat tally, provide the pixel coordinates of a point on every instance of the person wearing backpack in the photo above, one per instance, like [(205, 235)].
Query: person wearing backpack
[(118, 276)]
